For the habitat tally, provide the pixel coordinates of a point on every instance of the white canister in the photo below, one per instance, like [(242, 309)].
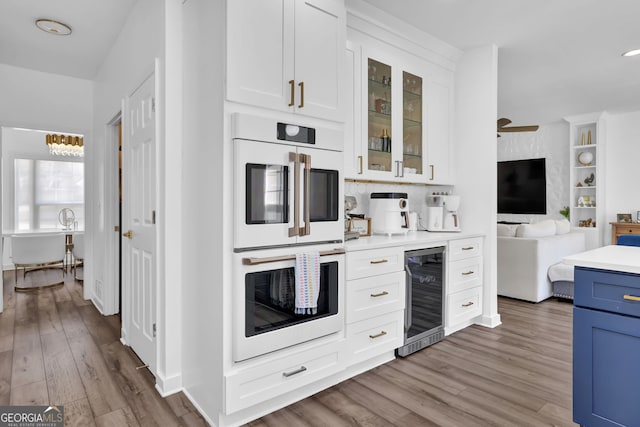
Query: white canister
[(413, 221)]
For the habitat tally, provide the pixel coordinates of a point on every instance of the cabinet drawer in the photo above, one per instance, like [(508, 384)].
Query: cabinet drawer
[(464, 274), (375, 336), (465, 248), (464, 305), (374, 262), (374, 296), (627, 230), (610, 291), (267, 380)]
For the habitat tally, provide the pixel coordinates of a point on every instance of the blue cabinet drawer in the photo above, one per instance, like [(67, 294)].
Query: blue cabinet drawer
[(605, 290)]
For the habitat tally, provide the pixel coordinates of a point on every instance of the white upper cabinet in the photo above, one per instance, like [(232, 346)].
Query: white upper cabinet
[(439, 129), (401, 128), (287, 55)]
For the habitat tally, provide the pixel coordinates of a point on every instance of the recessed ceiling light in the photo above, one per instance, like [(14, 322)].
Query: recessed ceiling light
[(632, 52), (53, 27)]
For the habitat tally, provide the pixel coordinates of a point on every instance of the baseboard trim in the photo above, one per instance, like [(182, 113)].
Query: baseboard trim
[(167, 386), (490, 321)]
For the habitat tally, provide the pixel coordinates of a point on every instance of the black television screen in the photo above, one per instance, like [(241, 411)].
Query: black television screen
[(522, 187)]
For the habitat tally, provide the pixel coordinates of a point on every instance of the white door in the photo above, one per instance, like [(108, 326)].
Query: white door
[(320, 37), (139, 238)]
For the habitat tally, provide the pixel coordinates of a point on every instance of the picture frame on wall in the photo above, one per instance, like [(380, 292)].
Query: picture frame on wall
[(638, 216), (360, 225), (625, 217)]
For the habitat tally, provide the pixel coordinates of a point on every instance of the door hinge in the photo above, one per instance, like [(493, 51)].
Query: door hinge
[(116, 228), (153, 105), (154, 330), (153, 217)]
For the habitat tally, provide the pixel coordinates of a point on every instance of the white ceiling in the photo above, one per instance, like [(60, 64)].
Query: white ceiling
[(556, 57), (95, 25)]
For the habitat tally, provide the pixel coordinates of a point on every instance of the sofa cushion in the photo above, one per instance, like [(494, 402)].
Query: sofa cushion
[(539, 229), (507, 230), (562, 226)]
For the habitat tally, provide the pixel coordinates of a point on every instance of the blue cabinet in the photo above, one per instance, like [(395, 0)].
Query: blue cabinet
[(606, 348)]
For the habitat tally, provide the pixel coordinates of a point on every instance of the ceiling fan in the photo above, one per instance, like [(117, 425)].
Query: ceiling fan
[(504, 122)]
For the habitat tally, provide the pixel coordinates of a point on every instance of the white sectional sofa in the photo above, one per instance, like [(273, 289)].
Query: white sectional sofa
[(525, 253)]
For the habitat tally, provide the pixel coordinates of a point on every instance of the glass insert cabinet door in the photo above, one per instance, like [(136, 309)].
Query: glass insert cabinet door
[(379, 116), (412, 123)]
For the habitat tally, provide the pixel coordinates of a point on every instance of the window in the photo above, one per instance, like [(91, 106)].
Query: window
[(43, 188)]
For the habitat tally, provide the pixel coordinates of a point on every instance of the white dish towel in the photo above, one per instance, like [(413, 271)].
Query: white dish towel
[(307, 282)]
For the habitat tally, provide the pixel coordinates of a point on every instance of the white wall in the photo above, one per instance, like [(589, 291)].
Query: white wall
[(130, 61), (205, 259), (551, 142), (622, 147), (36, 100), (475, 158)]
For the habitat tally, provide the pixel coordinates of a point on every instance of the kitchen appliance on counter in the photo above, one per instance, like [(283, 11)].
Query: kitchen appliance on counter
[(389, 213), (424, 308), (442, 213), (350, 203)]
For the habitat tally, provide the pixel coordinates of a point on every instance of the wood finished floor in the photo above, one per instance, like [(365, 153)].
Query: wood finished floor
[(518, 374), (56, 348)]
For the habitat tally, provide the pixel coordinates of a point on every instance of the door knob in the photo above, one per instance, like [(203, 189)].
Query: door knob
[(128, 234)]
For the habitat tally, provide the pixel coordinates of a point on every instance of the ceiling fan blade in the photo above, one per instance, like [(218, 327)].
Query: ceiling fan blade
[(503, 122), (519, 129)]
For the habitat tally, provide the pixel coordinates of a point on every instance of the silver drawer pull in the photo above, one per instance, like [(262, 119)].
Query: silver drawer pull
[(631, 298), (381, 334), (381, 294), (382, 261), (468, 248), (297, 371), (469, 304), (467, 273)]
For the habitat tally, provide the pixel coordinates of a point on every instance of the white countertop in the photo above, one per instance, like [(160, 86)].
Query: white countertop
[(613, 257), (39, 231), (411, 240)]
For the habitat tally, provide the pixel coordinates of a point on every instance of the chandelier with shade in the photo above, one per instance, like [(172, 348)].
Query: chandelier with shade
[(65, 145)]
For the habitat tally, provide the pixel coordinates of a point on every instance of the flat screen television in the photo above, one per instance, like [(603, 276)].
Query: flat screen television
[(522, 187)]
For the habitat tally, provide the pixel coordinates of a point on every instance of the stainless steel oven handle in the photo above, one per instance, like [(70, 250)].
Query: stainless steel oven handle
[(295, 230), (265, 260), (306, 159)]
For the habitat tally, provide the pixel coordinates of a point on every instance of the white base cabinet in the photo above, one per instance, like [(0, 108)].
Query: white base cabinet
[(375, 301), (264, 381), (464, 283)]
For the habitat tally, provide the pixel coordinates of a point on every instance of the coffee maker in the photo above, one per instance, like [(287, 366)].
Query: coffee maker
[(442, 213)]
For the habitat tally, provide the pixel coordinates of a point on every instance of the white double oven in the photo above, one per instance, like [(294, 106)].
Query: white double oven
[(288, 199)]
